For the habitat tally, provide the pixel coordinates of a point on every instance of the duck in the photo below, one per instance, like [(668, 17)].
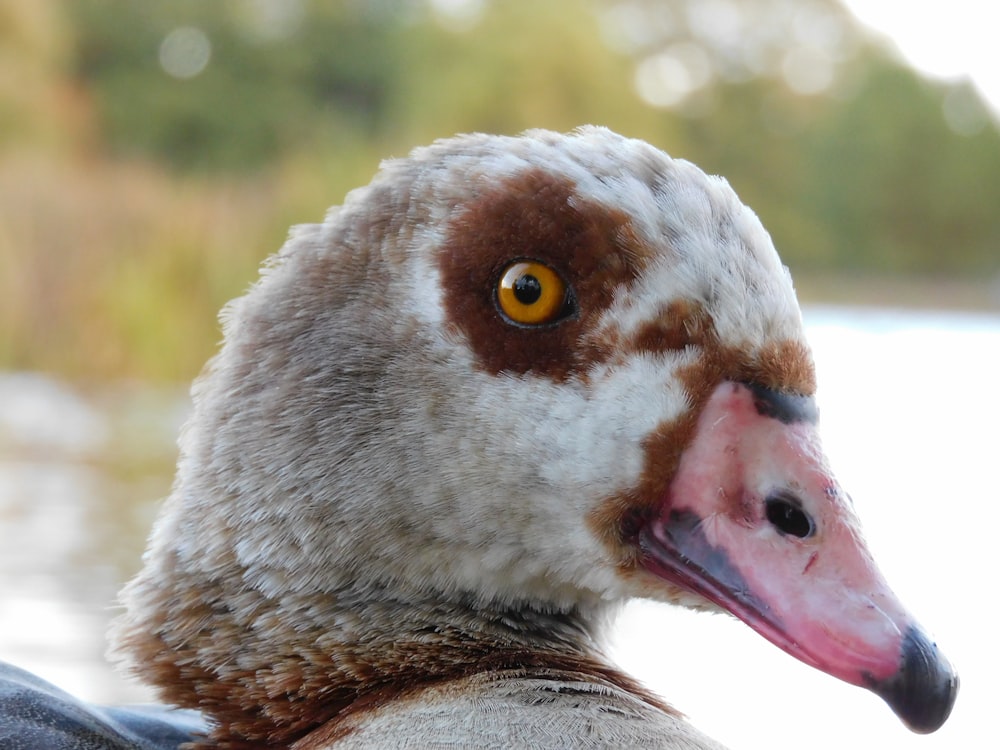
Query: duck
[(505, 388)]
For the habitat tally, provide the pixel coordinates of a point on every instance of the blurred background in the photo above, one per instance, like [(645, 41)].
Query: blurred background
[(153, 153)]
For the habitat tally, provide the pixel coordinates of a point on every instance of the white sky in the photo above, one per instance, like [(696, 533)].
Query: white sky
[(946, 39)]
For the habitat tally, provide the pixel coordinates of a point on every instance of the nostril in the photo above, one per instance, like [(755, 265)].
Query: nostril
[(784, 512)]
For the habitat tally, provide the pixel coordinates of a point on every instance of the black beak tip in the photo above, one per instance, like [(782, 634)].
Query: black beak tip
[(922, 693)]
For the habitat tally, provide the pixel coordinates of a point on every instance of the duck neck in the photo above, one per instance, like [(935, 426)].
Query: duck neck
[(311, 660)]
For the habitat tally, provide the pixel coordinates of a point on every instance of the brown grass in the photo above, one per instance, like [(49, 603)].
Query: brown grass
[(119, 269)]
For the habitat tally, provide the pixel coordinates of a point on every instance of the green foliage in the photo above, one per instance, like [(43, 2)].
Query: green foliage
[(342, 72), (261, 94), (522, 65), (899, 191)]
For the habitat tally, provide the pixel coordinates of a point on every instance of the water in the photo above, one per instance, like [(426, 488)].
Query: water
[(910, 417), (80, 476)]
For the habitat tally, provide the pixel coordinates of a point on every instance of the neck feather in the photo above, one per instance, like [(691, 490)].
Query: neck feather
[(269, 672)]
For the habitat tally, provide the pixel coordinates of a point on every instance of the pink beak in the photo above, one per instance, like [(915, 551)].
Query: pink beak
[(755, 522)]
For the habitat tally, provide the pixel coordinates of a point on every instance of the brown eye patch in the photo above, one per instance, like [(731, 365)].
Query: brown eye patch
[(534, 215)]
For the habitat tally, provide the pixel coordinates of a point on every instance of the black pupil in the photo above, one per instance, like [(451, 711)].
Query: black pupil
[(527, 289), (788, 518)]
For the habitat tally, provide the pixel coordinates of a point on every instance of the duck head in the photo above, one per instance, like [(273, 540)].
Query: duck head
[(519, 376)]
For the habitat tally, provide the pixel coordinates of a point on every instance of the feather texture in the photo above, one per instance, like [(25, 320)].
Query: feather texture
[(400, 520)]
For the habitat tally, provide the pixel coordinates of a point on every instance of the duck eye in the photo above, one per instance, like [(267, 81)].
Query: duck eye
[(531, 293)]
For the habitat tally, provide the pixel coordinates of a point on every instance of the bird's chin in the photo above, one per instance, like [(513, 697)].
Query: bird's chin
[(754, 523)]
